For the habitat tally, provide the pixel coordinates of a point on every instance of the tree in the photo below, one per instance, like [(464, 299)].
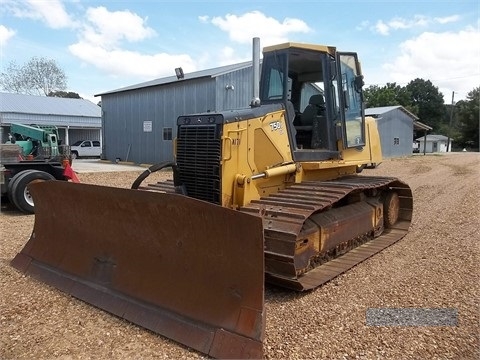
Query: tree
[(64, 94), (468, 120), (389, 95), (427, 100), (39, 76)]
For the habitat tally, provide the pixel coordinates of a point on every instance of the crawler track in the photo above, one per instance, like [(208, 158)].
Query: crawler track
[(285, 213)]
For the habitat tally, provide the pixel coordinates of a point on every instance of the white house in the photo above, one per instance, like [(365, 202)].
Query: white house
[(434, 144)]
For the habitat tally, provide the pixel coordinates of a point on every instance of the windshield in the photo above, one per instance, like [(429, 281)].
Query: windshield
[(78, 143), (273, 74)]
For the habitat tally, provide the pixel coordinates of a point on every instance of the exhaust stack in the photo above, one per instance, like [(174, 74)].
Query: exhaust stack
[(256, 72)]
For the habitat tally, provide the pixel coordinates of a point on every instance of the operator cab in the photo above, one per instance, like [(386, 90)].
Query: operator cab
[(321, 90)]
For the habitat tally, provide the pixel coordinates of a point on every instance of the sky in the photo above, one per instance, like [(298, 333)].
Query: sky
[(106, 45)]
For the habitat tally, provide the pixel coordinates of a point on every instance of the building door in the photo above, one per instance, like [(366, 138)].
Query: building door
[(434, 146)]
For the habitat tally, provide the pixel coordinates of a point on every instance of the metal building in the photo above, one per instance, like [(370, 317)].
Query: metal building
[(76, 119), (395, 126)]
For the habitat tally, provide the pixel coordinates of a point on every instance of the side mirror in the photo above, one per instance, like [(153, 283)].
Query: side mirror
[(358, 83)]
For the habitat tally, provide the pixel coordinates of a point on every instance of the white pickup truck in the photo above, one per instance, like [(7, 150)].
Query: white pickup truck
[(86, 148)]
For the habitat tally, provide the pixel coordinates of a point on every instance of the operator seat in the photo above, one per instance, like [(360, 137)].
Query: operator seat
[(315, 107)]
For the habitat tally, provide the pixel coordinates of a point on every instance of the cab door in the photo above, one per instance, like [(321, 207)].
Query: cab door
[(352, 112)]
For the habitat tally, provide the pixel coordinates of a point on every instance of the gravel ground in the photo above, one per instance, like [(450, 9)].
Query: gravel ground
[(434, 266)]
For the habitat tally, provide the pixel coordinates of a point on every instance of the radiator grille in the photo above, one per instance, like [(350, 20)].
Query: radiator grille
[(198, 160)]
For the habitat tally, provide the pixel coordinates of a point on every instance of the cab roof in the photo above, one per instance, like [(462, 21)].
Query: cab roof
[(288, 45)]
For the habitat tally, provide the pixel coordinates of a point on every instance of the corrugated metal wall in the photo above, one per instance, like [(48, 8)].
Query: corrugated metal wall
[(134, 121), (396, 133), (57, 120), (241, 94)]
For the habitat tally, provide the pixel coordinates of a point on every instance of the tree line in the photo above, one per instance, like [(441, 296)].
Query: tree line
[(459, 121)]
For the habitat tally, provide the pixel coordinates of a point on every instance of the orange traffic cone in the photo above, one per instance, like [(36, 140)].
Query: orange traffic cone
[(69, 173)]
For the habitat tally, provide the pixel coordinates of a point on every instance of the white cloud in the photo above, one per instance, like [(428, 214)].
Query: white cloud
[(447, 19), (382, 28), (449, 59), (229, 55), (51, 12), (106, 28), (102, 41), (398, 23), (5, 35), (204, 18), (120, 62), (243, 28)]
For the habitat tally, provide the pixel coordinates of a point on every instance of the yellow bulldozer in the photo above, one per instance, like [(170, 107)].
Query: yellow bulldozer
[(268, 193)]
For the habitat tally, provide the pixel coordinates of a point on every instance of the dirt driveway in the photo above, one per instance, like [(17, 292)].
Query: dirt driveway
[(435, 266)]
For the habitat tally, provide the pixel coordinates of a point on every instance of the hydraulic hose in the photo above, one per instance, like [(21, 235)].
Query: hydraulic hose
[(152, 169)]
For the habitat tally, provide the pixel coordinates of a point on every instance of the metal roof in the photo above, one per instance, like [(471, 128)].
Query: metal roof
[(377, 111), (421, 126), (385, 109), (434, 138), (214, 72), (46, 105)]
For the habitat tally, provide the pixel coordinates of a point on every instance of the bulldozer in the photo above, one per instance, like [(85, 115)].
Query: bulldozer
[(271, 193)]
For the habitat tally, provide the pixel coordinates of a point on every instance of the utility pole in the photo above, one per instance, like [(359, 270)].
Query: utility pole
[(450, 124)]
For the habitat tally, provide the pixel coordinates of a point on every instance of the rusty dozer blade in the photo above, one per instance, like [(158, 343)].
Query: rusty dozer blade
[(183, 268)]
